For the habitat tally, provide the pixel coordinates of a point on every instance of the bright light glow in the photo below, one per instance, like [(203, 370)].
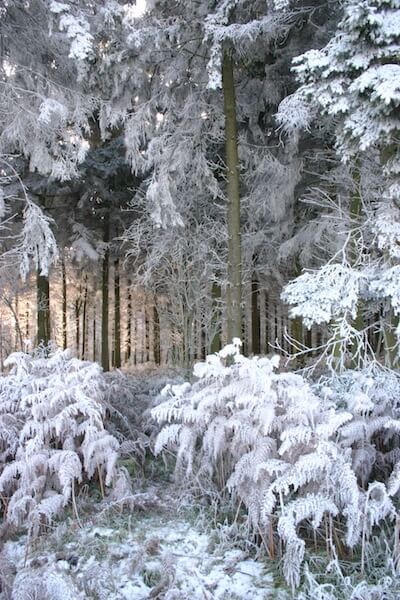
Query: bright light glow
[(9, 69), (136, 10)]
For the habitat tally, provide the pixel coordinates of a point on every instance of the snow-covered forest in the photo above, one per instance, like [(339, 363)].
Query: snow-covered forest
[(199, 299)]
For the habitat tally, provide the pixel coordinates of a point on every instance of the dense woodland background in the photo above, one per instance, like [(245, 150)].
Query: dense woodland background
[(138, 207)]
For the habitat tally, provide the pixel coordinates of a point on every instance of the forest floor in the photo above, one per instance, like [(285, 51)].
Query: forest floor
[(168, 545), (159, 550)]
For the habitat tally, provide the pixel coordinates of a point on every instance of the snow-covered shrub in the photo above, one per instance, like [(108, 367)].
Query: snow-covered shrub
[(282, 446), (372, 396), (52, 435)]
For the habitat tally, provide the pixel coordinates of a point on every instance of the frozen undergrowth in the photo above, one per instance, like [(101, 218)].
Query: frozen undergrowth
[(152, 554), (172, 545)]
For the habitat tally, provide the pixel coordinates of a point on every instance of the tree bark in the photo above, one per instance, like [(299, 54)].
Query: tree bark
[(94, 339), (64, 303), (255, 316), (77, 323), (43, 308), (128, 349), (215, 343), (84, 320), (117, 317), (105, 358), (234, 290)]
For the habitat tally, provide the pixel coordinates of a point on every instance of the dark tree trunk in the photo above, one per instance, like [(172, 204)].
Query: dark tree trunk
[(157, 349), (128, 350), (255, 316), (117, 317), (43, 308), (94, 340), (84, 320), (64, 303), (105, 358), (234, 290)]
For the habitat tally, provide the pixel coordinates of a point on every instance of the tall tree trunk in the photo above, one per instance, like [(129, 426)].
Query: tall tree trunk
[(215, 342), (27, 318), (84, 319), (255, 316), (43, 308), (105, 358), (234, 291), (117, 317), (157, 349), (64, 303), (94, 340), (77, 323), (128, 349), (355, 213)]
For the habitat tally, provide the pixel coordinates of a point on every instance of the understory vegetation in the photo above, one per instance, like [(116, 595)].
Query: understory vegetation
[(249, 481)]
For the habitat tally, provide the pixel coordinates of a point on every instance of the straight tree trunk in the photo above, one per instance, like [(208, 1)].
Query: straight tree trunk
[(117, 317), (43, 308), (234, 291), (128, 350), (94, 340), (105, 358), (27, 317), (215, 345), (157, 349), (77, 323), (84, 320), (255, 316), (64, 303)]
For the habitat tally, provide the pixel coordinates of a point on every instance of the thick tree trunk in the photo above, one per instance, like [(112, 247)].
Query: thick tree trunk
[(43, 308), (117, 317), (105, 358), (64, 303), (234, 291)]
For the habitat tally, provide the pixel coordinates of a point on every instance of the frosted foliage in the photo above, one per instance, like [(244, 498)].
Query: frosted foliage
[(52, 435), (287, 450), (324, 295), (294, 113), (387, 229), (77, 30), (356, 77), (36, 242), (45, 110)]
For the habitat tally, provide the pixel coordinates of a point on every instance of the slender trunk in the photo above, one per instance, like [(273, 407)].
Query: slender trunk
[(128, 350), (105, 358), (27, 318), (157, 349), (77, 323), (117, 317), (355, 213), (43, 308), (234, 291), (255, 316), (263, 321), (94, 340), (64, 303), (215, 345), (84, 320)]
